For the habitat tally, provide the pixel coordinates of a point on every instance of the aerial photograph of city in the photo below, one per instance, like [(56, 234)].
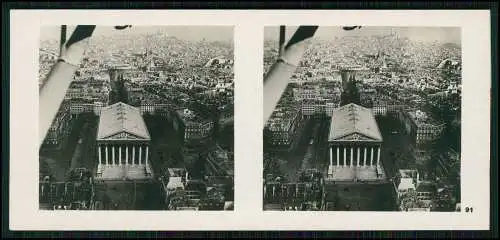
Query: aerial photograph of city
[(362, 118), (146, 122)]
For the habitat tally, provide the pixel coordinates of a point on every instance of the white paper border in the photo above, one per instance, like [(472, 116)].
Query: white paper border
[(248, 214)]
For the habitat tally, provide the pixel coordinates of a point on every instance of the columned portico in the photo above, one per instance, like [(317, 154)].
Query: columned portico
[(350, 159), (117, 158)]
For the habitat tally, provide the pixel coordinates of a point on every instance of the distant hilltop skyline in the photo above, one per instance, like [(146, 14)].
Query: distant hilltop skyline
[(425, 34), (189, 33)]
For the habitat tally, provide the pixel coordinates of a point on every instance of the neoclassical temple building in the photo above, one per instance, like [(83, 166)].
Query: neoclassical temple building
[(354, 144), (122, 144)]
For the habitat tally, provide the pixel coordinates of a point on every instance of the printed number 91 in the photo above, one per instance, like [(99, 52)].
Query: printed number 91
[(468, 209)]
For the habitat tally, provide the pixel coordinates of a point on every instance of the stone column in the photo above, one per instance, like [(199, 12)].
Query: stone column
[(120, 155), (113, 155), (371, 157), (140, 155), (133, 154), (352, 156), (99, 152), (345, 156), (357, 163), (331, 156), (147, 155), (378, 156), (126, 155), (338, 155), (364, 158), (107, 158)]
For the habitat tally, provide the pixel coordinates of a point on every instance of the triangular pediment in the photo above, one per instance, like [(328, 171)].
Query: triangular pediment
[(355, 137), (123, 136)]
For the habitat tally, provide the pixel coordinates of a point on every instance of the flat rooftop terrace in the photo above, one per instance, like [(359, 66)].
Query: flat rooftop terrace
[(341, 173)]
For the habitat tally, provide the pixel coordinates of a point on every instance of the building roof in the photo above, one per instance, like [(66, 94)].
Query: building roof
[(175, 183), (408, 173), (422, 118), (406, 184), (352, 119), (189, 116), (281, 119), (121, 118), (176, 172)]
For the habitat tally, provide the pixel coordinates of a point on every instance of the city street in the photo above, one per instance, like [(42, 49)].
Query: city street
[(316, 153), (84, 155), (306, 155), (321, 146), (57, 162), (295, 157)]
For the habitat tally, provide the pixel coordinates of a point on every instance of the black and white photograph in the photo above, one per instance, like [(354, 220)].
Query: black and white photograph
[(136, 117), (277, 120), (362, 118)]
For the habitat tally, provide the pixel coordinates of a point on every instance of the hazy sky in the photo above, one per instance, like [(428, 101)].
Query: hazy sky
[(195, 33), (441, 34)]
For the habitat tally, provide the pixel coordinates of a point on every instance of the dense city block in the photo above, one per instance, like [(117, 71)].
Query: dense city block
[(147, 124), (368, 122)]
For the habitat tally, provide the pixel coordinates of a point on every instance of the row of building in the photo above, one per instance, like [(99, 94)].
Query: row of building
[(186, 121), (413, 194), (419, 125), (60, 127), (304, 101), (181, 193), (282, 125), (79, 106), (89, 90), (191, 125)]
